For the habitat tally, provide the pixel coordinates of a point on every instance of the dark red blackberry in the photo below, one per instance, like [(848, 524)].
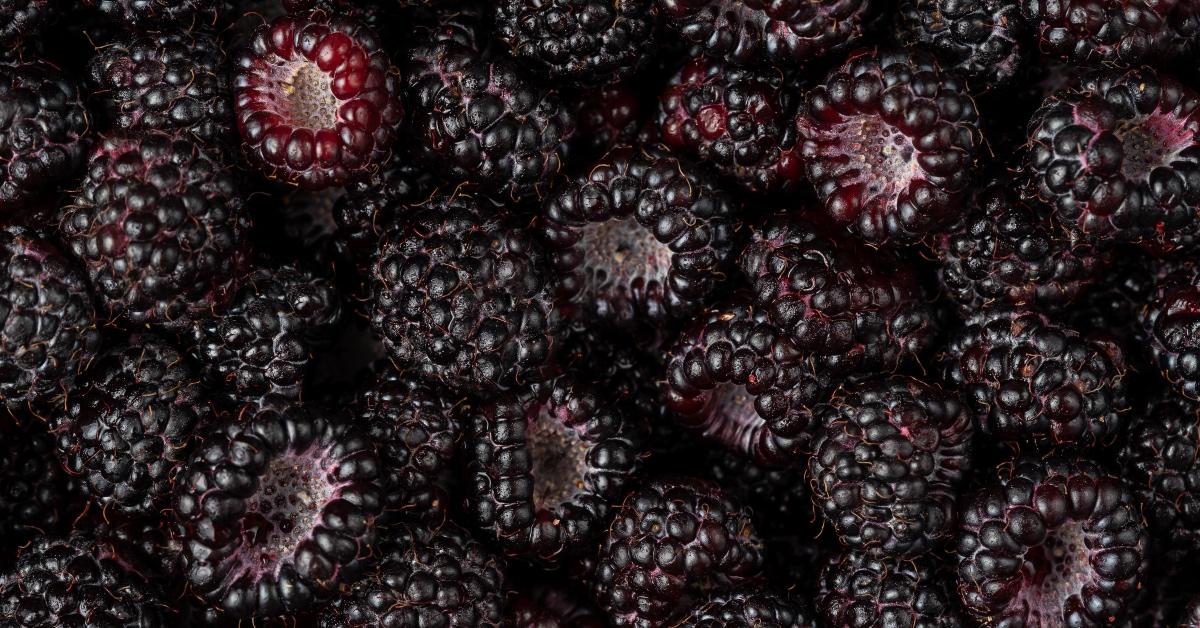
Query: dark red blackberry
[(427, 577), (547, 466), (43, 132), (640, 237), (1052, 542), (1009, 252), (852, 307), (748, 608), (1119, 159), (1095, 32), (549, 605), (152, 14), (1029, 380), (160, 227), (588, 41), (277, 510), (673, 541), (37, 496), (608, 116), (317, 100), (172, 81), (739, 380), (890, 141), (47, 319), (462, 297), (859, 590), (889, 458), (756, 31), (985, 40), (24, 19), (740, 121), (263, 342)]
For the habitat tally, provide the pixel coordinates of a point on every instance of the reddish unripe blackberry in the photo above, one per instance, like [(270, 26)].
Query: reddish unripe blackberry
[(43, 132), (740, 381), (168, 81), (888, 460), (740, 121), (786, 34), (277, 509), (1029, 380), (1010, 252), (462, 297), (608, 116), (549, 605), (1052, 542), (152, 14), (37, 496), (23, 19), (890, 141), (1095, 32), (317, 100), (984, 40), (852, 307), (547, 465), (673, 541), (749, 607), (1119, 158), (160, 227), (641, 236), (47, 319), (860, 590)]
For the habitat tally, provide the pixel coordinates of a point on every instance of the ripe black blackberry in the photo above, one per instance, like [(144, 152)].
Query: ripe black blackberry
[(462, 296), (674, 540), (37, 497), (1118, 157), (47, 319), (1052, 542), (890, 141), (1169, 322), (985, 40), (1029, 380), (1096, 32), (744, 608), (859, 589), (888, 462), (426, 577), (1010, 252), (160, 227), (154, 14), (852, 307), (640, 237), (24, 19), (740, 121), (170, 81), (277, 509)]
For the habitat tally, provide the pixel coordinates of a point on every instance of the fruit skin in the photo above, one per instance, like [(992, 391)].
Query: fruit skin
[(43, 133), (317, 100), (37, 497), (160, 227), (1029, 380), (889, 459), (22, 19), (1095, 32), (1008, 525), (861, 590), (921, 123), (1118, 156), (462, 297), (47, 319), (673, 539), (985, 40), (749, 607), (640, 237)]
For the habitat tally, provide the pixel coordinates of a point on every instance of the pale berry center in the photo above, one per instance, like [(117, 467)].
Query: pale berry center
[(310, 98), (287, 507), (620, 253), (1055, 571), (559, 459)]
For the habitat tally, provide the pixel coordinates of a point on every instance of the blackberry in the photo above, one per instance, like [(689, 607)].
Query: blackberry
[(47, 319), (1169, 321), (43, 132), (890, 140), (762, 31), (160, 227), (741, 121), (262, 343), (548, 605), (673, 540), (608, 116), (1052, 542), (889, 459), (1095, 32), (1029, 380), (427, 577), (547, 466), (854, 308), (277, 510), (745, 608), (37, 497), (153, 14), (1009, 252), (462, 297), (588, 41), (641, 236), (1118, 157), (24, 19), (859, 589), (985, 40), (171, 81), (317, 100)]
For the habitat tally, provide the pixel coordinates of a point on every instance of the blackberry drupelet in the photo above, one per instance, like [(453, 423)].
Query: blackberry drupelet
[(1052, 542), (159, 14), (985, 40), (640, 237), (25, 19), (1109, 32), (1169, 322), (746, 608), (37, 497), (859, 590), (890, 140)]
